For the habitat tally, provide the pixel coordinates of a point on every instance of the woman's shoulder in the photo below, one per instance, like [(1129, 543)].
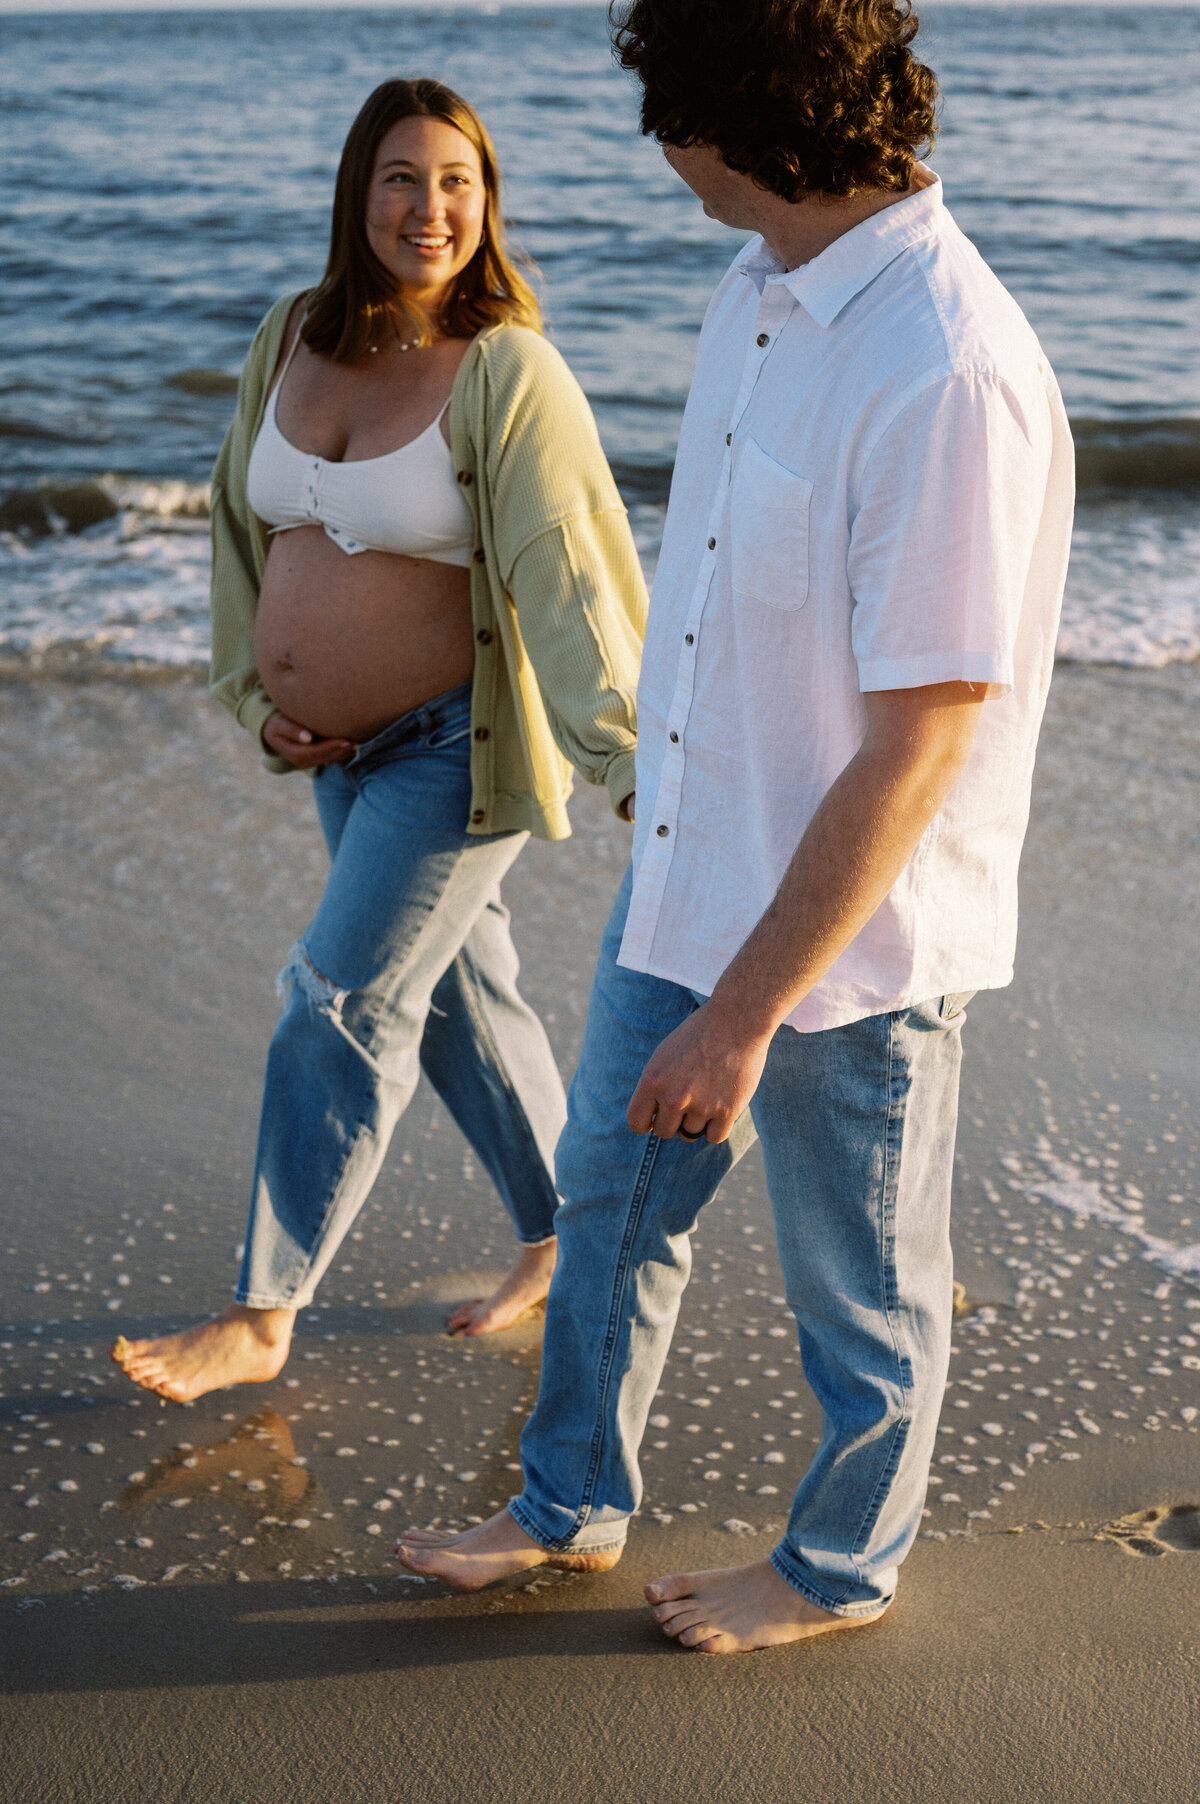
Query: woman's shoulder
[(280, 312), (518, 356), (274, 330)]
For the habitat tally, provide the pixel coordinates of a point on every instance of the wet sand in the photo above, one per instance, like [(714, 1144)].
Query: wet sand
[(199, 1601)]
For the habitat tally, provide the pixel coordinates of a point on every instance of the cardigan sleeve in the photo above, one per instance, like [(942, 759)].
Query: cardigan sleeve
[(233, 674), (566, 557), (579, 598)]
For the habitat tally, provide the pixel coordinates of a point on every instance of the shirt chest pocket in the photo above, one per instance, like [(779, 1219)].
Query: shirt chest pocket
[(769, 508)]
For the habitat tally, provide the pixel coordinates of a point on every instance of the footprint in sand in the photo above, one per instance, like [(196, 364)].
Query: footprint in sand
[(1167, 1528)]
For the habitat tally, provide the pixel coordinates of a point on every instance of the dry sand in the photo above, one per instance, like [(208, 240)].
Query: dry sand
[(199, 1602)]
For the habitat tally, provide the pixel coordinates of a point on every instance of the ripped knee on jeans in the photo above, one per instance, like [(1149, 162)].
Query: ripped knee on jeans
[(313, 984), (325, 997)]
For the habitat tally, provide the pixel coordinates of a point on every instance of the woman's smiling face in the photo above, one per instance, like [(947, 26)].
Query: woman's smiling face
[(426, 205)]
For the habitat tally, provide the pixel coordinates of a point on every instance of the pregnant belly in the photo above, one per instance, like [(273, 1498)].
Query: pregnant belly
[(345, 645)]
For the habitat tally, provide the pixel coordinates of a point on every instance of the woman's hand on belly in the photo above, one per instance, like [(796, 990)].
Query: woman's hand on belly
[(301, 747)]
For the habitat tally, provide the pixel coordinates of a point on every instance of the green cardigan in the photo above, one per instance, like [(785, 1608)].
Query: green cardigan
[(557, 594)]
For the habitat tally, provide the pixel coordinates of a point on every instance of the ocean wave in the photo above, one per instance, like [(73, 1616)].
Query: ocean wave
[(1161, 453), (1148, 454), (51, 509), (114, 571), (31, 430), (204, 382)]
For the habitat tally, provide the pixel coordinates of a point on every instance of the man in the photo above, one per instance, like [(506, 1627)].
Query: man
[(850, 643)]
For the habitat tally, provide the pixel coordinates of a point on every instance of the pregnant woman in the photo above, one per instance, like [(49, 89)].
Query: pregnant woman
[(425, 592)]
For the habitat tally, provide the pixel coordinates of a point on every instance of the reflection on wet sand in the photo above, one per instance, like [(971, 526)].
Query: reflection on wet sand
[(256, 1466)]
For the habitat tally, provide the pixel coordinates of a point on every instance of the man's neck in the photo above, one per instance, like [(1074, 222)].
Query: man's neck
[(798, 231)]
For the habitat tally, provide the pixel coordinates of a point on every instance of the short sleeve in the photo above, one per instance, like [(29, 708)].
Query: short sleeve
[(947, 514)]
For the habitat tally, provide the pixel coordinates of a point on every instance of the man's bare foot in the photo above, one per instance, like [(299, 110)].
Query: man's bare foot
[(525, 1287), (738, 1609), (240, 1346), (497, 1549)]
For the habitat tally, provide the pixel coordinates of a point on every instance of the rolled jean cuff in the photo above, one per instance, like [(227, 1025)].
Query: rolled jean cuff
[(543, 1240), (255, 1299), (800, 1579), (604, 1537)]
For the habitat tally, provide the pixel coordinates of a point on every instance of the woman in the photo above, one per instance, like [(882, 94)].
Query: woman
[(425, 593)]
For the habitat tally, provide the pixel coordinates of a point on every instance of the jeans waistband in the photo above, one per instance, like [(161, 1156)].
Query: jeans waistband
[(439, 711)]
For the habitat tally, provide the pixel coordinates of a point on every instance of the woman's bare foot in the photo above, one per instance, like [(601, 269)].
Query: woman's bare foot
[(525, 1287), (240, 1346), (497, 1549), (738, 1609)]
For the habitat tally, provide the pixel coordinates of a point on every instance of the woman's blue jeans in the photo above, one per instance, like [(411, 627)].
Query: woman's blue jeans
[(408, 964), (857, 1127)]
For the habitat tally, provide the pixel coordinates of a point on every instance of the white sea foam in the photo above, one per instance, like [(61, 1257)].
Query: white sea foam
[(135, 587), (1133, 592), (1068, 1189)]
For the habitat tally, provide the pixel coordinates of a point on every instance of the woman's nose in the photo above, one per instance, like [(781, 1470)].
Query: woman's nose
[(428, 202)]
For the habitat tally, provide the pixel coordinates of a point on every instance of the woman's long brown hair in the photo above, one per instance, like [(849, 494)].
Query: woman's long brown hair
[(357, 301)]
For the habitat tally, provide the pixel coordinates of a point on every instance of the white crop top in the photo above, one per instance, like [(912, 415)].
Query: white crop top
[(407, 502)]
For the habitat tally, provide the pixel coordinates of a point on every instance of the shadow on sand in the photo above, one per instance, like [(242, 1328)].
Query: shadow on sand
[(160, 1639)]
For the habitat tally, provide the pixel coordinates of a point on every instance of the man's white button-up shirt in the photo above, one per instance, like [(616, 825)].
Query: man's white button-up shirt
[(873, 490)]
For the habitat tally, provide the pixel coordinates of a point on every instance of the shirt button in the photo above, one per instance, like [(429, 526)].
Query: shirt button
[(674, 737), (481, 732), (712, 544), (729, 438), (483, 636), (662, 831), (689, 638), (477, 816), (763, 338)]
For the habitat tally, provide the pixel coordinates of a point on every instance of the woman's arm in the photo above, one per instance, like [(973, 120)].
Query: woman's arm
[(564, 555), (236, 557), (580, 601)]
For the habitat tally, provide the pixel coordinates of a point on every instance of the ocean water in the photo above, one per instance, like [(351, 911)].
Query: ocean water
[(166, 176)]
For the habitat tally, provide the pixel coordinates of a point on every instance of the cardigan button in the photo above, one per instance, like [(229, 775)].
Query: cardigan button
[(464, 476), (483, 636), (476, 816), (480, 556), (481, 732)]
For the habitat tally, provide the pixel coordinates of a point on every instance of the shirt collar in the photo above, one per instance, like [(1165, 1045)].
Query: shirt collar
[(824, 286)]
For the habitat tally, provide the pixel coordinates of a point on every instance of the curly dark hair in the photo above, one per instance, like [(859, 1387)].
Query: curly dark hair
[(805, 96)]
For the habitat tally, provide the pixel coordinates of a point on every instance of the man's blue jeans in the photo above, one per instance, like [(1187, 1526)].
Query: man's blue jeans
[(407, 965), (857, 1127)]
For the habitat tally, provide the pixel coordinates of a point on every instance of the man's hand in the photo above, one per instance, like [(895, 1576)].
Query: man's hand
[(301, 747), (700, 1079), (858, 842)]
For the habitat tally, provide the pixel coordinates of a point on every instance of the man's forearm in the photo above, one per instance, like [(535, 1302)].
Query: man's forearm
[(857, 844)]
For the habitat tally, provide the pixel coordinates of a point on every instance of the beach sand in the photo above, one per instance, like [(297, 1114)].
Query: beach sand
[(199, 1602)]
